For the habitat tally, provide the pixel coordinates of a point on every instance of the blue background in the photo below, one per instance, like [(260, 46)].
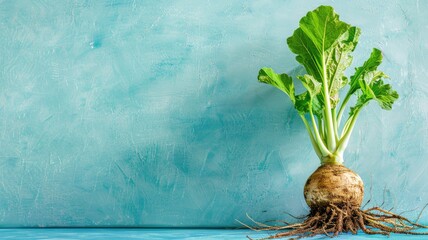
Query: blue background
[(149, 113)]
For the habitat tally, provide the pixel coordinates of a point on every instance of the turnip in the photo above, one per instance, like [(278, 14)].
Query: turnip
[(334, 193)]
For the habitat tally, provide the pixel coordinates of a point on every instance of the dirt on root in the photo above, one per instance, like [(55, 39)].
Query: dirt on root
[(333, 220)]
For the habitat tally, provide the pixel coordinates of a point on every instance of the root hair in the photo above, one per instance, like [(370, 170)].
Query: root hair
[(333, 220)]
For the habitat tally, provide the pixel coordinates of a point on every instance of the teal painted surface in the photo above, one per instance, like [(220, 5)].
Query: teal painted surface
[(158, 234), (135, 113)]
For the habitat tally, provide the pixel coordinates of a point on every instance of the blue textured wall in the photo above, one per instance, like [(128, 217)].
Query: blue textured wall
[(149, 112)]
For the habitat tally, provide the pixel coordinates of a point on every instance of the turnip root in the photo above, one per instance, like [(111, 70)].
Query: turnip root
[(334, 194), (334, 184)]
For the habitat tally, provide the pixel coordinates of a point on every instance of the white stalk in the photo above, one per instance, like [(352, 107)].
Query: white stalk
[(343, 143), (331, 141), (324, 150), (311, 136)]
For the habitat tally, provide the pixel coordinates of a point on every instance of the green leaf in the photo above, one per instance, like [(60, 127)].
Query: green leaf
[(369, 80), (374, 76), (311, 84), (309, 99), (307, 53), (338, 60), (303, 103), (317, 107), (281, 81), (323, 44), (368, 72), (382, 93)]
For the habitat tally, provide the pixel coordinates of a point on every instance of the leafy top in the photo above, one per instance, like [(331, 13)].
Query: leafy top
[(323, 45)]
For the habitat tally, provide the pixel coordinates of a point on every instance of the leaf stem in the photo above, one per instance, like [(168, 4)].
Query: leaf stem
[(324, 150), (336, 135), (321, 128), (342, 108), (331, 141), (347, 131), (311, 136)]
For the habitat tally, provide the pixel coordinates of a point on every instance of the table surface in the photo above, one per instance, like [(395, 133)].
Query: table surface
[(157, 234)]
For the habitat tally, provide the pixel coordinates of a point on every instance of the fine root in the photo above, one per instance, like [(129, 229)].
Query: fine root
[(333, 220)]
